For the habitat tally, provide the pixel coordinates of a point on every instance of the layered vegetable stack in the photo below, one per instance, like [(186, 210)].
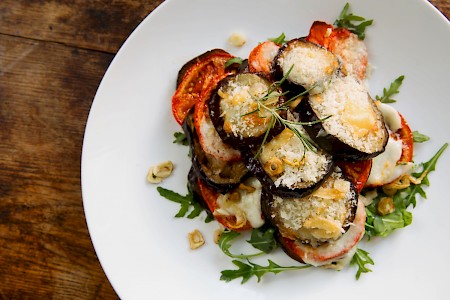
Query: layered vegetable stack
[(289, 138)]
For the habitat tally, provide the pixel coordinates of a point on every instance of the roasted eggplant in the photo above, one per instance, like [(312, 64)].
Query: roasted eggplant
[(288, 168), (347, 122), (334, 254), (221, 175), (305, 65), (239, 109), (321, 217)]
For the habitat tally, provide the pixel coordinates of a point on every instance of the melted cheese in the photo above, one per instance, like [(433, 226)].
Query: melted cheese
[(249, 203), (391, 117), (385, 168)]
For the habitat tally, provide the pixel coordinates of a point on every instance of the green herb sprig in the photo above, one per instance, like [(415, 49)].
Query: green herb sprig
[(353, 23), (419, 137), (189, 205), (277, 118), (180, 138), (394, 88), (249, 269), (279, 40), (361, 258)]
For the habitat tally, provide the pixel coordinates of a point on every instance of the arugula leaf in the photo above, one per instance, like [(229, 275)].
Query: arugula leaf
[(279, 40), (180, 138), (419, 137), (393, 89), (188, 203), (234, 60), (347, 20), (263, 240), (377, 225), (226, 241), (427, 168), (246, 271), (361, 258)]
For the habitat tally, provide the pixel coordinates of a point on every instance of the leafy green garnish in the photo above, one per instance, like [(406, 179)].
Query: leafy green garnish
[(180, 138), (279, 40), (419, 137), (246, 271), (226, 241), (263, 240), (378, 225), (234, 60), (361, 258), (393, 89), (353, 23), (188, 202)]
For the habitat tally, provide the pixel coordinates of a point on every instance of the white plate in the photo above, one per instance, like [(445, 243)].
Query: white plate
[(144, 250)]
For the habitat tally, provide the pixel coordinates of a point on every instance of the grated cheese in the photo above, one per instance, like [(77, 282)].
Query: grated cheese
[(355, 120), (312, 66), (319, 216), (301, 168)]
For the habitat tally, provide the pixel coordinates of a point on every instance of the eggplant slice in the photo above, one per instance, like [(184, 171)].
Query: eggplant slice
[(220, 175), (288, 168), (335, 254), (352, 126), (321, 217), (310, 66), (238, 110)]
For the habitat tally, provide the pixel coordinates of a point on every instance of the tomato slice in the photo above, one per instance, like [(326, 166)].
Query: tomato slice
[(405, 134), (358, 171), (261, 57), (320, 33), (346, 45), (204, 73), (210, 197)]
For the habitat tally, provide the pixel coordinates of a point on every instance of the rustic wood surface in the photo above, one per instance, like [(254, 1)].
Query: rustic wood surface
[(53, 54)]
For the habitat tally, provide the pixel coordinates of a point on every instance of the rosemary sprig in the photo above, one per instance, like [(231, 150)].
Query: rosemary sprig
[(277, 118)]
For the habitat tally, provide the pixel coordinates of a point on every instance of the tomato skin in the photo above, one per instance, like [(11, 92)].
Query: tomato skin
[(345, 44), (405, 134), (320, 33), (210, 197), (358, 171), (261, 57), (204, 73)]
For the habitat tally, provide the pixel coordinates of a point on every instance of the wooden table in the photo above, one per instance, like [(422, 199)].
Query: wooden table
[(53, 55)]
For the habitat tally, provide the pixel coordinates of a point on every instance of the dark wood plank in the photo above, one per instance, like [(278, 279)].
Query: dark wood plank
[(443, 6), (100, 25), (46, 90)]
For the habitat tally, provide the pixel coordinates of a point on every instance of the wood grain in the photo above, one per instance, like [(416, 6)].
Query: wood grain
[(46, 249), (100, 25), (53, 54)]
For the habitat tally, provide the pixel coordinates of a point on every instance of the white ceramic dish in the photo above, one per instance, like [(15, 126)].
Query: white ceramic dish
[(144, 250)]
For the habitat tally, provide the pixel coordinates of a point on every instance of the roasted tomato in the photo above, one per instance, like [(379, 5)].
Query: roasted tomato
[(198, 75), (405, 134), (346, 45), (261, 57), (357, 171)]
